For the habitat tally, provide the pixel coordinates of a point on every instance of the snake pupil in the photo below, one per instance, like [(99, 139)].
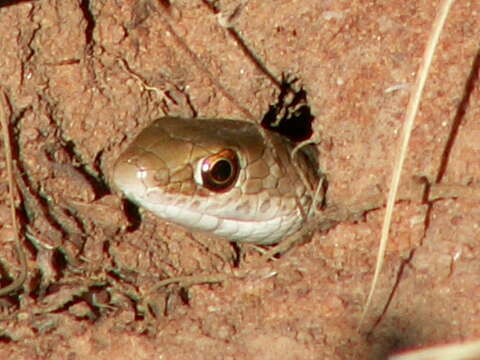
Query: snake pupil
[(220, 170)]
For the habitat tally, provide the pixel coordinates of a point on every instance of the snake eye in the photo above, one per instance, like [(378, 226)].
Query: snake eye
[(220, 171)]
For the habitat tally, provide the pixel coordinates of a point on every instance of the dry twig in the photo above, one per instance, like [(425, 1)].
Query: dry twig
[(412, 108), (17, 282)]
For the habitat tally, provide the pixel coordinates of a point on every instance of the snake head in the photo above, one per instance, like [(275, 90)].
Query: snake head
[(225, 177)]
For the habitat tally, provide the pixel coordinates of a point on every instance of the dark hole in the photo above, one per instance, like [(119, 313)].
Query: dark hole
[(6, 339), (184, 295), (133, 215), (292, 112), (10, 2), (59, 260)]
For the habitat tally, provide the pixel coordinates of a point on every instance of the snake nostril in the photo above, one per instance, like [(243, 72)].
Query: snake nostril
[(220, 171)]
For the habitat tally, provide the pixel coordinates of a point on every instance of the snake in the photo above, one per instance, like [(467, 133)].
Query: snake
[(230, 178)]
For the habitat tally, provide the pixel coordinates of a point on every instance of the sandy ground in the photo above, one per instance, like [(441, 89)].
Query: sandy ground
[(83, 77)]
